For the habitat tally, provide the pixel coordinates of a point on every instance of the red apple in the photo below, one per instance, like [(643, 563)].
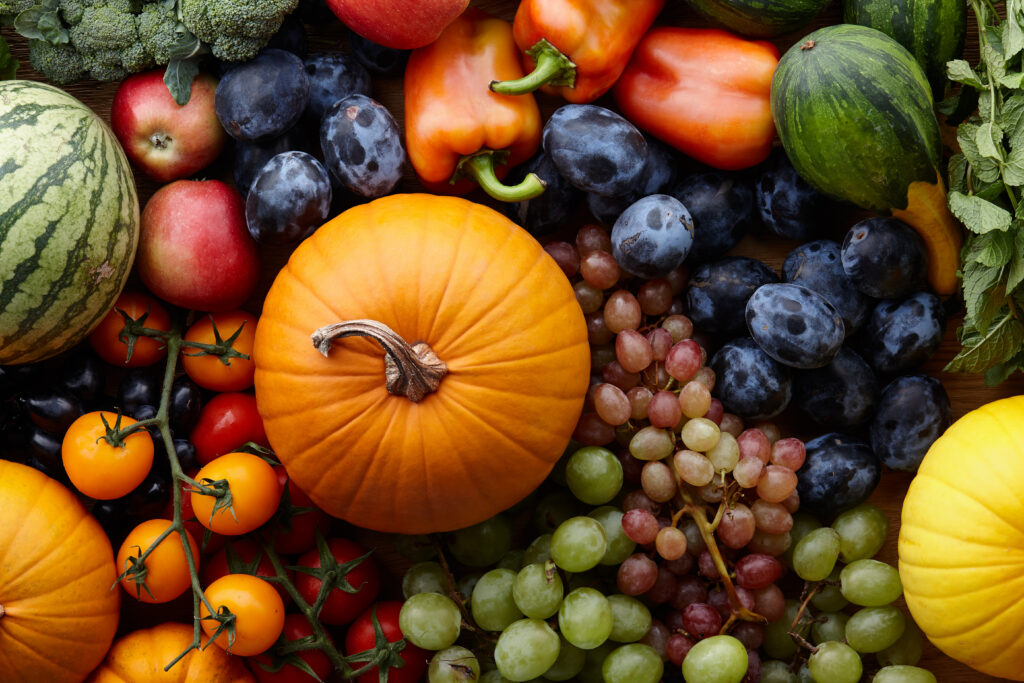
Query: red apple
[(164, 139), (194, 248), (401, 24)]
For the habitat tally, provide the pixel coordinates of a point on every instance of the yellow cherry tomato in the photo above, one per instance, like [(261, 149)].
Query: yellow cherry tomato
[(166, 573), (99, 468), (257, 608), (254, 488)]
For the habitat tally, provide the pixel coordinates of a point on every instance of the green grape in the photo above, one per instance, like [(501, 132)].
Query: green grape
[(701, 434), (902, 673), (537, 590), (620, 546), (593, 661), (835, 662), (526, 649), (906, 650), (633, 663), (539, 550), (455, 664), (569, 663), (862, 532), (815, 554), (872, 629), (424, 577), (513, 559), (803, 524), (553, 509), (483, 544), (492, 604), (778, 644), (594, 475), (870, 583), (829, 626), (585, 618), (829, 598), (430, 620), (803, 674), (494, 676), (578, 544), (652, 443), (775, 671), (725, 453), (631, 619), (718, 659)]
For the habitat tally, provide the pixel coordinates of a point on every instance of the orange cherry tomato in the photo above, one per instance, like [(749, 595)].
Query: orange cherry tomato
[(221, 373), (256, 606), (166, 573), (101, 469), (255, 494), (105, 339)]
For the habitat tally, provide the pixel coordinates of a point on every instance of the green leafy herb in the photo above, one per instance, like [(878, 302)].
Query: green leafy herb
[(986, 192), (8, 64), (42, 22)]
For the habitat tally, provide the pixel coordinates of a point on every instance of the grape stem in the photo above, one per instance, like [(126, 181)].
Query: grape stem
[(793, 630), (453, 593)]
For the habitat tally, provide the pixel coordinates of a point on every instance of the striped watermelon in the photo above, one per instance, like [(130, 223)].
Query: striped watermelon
[(69, 221), (760, 18)]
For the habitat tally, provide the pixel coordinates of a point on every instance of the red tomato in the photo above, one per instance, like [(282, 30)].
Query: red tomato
[(293, 529), (226, 422), (296, 627), (360, 637), (221, 373), (242, 556), (105, 338), (340, 607)]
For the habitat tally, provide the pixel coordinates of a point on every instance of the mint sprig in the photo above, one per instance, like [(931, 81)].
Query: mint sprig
[(986, 193)]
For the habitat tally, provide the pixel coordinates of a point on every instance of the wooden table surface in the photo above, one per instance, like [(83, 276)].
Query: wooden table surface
[(966, 392)]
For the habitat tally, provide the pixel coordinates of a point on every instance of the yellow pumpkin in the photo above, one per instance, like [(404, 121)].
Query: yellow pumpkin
[(464, 425), (140, 657), (58, 613), (961, 543)]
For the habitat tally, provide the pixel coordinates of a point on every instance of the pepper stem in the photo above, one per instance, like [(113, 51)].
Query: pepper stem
[(551, 67), (480, 167), (410, 370)]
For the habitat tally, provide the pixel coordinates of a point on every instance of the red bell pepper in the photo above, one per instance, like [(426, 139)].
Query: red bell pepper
[(400, 24), (455, 127), (577, 48), (703, 91)]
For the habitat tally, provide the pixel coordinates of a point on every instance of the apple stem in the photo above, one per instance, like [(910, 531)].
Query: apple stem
[(160, 140)]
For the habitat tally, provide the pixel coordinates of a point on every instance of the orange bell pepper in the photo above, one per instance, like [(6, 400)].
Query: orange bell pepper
[(456, 129), (703, 91), (577, 48)]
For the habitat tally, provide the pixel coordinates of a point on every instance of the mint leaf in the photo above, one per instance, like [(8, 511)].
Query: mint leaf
[(957, 171), (979, 281), (8, 64), (1012, 119), (42, 23), (978, 215), (980, 352), (987, 170), (1013, 169), (179, 76), (960, 71), (1015, 273), (993, 249), (989, 139)]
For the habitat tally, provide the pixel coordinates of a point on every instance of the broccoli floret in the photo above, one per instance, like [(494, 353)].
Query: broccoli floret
[(61, 64), (158, 30), (108, 40), (235, 30), (11, 8)]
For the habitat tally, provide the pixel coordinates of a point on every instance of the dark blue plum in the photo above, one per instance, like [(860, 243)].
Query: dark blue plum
[(291, 36), (717, 293), (185, 404), (722, 206), (250, 157), (817, 266), (362, 146), (653, 236), (595, 149), (841, 395), (913, 411), (289, 200), (138, 388), (378, 59), (789, 207), (333, 76), (794, 325), (885, 258), (262, 98), (839, 473), (901, 334), (83, 376), (551, 209), (749, 382), (658, 176), (51, 408)]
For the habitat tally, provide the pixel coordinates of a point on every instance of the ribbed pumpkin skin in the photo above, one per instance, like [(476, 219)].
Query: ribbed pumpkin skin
[(933, 30), (56, 570), (961, 543), (140, 657), (69, 221), (760, 18), (493, 306)]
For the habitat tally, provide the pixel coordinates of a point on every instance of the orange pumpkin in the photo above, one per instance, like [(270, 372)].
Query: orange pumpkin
[(466, 423), (58, 613), (140, 657)]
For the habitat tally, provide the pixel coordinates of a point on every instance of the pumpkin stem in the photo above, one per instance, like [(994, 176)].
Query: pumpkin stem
[(410, 370)]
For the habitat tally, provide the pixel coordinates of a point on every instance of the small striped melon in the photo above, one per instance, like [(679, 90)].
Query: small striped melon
[(69, 221)]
